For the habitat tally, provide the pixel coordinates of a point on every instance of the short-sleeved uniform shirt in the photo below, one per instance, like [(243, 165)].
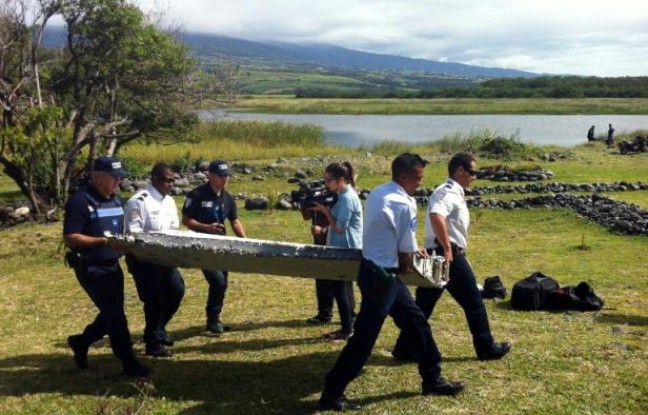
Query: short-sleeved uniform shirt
[(389, 225), (89, 213), (149, 210), (449, 201), (205, 206), (348, 216)]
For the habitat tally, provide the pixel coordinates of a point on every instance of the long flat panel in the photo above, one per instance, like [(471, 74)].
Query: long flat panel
[(203, 251)]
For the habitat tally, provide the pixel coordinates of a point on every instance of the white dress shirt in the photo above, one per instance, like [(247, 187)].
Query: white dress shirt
[(449, 201), (149, 211)]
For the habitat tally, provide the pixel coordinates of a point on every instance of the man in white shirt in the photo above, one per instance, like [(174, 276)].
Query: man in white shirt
[(160, 288), (388, 243), (447, 234)]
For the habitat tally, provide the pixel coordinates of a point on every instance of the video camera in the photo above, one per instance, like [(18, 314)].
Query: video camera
[(311, 192)]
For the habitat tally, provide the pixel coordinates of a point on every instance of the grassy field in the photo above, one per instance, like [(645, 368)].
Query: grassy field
[(273, 363), (278, 104)]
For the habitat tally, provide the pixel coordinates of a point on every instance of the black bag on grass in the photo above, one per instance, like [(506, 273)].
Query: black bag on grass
[(581, 298), (530, 292)]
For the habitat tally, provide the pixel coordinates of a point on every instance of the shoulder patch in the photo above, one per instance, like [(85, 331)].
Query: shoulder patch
[(413, 224)]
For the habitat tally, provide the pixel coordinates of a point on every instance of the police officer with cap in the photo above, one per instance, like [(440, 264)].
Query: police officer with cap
[(91, 214), (160, 288), (388, 243), (205, 210), (447, 234)]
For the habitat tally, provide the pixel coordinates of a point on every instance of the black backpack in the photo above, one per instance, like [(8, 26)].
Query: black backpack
[(530, 293)]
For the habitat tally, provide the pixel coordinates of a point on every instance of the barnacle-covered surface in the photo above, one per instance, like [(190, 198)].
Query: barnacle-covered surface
[(196, 250)]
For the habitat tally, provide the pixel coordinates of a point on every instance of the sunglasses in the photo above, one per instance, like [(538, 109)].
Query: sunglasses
[(471, 171), (167, 179)]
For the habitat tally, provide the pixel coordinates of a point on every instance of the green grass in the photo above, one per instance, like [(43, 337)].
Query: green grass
[(272, 362), (445, 106)]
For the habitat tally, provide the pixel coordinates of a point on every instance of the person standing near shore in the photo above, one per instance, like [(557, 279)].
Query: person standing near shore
[(610, 136), (590, 134)]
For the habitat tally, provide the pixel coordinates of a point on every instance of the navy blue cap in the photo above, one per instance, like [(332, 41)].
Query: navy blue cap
[(110, 165), (219, 167)]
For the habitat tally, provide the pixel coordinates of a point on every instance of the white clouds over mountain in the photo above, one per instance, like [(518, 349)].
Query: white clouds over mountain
[(602, 38)]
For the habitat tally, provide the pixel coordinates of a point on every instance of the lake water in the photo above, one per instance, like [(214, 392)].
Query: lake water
[(355, 130)]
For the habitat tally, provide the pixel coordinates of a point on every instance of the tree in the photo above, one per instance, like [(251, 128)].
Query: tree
[(118, 78)]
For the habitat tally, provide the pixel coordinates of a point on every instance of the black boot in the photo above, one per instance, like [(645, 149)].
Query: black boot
[(442, 386), (215, 326), (80, 349), (498, 351), (339, 404), (158, 350), (135, 369)]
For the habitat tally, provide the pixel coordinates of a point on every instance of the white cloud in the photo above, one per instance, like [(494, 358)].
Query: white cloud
[(583, 37)]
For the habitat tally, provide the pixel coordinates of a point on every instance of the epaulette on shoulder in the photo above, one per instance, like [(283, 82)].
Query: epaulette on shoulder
[(143, 196)]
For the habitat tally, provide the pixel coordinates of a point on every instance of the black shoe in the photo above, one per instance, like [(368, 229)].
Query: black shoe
[(498, 351), (80, 349), (318, 320), (339, 404), (217, 328), (443, 387), (167, 341), (158, 350), (136, 369)]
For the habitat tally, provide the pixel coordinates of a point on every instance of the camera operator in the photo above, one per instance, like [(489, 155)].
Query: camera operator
[(323, 290), (345, 231)]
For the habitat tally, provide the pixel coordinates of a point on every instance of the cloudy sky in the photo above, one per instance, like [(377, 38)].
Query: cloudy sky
[(582, 37)]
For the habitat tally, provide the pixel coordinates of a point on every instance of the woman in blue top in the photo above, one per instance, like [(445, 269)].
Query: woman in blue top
[(344, 230)]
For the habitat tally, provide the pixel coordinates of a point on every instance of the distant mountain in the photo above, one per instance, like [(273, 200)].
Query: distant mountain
[(315, 54), (334, 57)]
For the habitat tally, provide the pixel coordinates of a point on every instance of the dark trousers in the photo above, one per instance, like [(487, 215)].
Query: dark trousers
[(217, 281), (324, 295), (104, 284), (463, 288), (161, 290), (327, 290), (379, 299), (343, 293)]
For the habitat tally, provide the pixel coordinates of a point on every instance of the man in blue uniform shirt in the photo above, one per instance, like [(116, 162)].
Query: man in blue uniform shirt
[(91, 214), (160, 288), (388, 243), (205, 210), (447, 234)]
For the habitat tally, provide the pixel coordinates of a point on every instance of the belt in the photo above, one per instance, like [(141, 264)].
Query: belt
[(456, 249), (389, 270), (102, 262)]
